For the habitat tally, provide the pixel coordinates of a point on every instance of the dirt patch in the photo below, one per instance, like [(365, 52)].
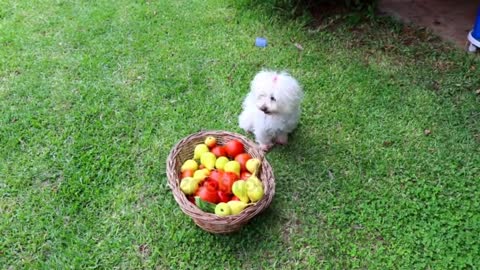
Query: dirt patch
[(451, 20)]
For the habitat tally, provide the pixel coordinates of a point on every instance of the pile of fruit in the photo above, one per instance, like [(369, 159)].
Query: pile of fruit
[(221, 179)]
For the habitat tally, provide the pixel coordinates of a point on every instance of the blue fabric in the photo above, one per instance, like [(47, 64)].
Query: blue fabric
[(476, 27)]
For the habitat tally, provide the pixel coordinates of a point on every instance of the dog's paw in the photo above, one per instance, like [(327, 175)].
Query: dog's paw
[(248, 130), (282, 139), (266, 147)]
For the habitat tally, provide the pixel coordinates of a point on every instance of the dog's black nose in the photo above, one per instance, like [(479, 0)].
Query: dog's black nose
[(264, 109)]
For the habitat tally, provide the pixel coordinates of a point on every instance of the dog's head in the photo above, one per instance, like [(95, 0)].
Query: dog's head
[(276, 93)]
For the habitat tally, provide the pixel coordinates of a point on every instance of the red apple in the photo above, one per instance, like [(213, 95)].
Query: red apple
[(245, 175), (216, 175), (208, 192), (242, 159), (224, 197), (233, 148), (219, 151), (227, 181), (186, 173)]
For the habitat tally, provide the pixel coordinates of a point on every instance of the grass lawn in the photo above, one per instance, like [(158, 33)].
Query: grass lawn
[(383, 171)]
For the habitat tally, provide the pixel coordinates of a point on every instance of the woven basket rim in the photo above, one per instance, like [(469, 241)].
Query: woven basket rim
[(208, 221)]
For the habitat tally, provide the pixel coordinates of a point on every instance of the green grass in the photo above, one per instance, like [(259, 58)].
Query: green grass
[(94, 94)]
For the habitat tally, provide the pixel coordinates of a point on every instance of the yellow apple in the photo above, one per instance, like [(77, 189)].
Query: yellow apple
[(210, 141)]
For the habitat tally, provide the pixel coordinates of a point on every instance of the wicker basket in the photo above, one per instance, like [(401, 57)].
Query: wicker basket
[(184, 149)]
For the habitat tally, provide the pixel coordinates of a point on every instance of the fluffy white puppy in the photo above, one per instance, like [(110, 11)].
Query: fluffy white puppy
[(271, 109)]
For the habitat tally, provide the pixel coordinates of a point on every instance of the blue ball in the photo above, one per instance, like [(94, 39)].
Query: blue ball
[(261, 42)]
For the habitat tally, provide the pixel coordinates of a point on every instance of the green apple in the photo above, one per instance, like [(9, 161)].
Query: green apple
[(188, 185), (255, 193), (232, 166), (223, 209), (239, 189), (199, 150), (200, 175), (220, 163), (189, 165), (252, 165), (208, 160), (254, 180), (237, 206), (255, 190)]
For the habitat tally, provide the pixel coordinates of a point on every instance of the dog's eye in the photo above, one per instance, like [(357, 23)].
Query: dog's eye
[(273, 99)]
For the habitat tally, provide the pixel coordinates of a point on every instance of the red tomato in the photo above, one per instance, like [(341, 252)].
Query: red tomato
[(219, 151), (208, 194), (224, 197), (216, 175), (245, 175), (211, 184), (242, 159), (234, 147), (187, 173), (234, 198), (227, 181)]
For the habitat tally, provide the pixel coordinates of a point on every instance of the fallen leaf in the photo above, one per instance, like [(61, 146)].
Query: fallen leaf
[(435, 86), (387, 143), (330, 175), (357, 227), (477, 137), (427, 132), (299, 46), (144, 250)]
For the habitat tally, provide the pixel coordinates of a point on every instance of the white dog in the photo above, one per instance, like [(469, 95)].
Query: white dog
[(272, 108)]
